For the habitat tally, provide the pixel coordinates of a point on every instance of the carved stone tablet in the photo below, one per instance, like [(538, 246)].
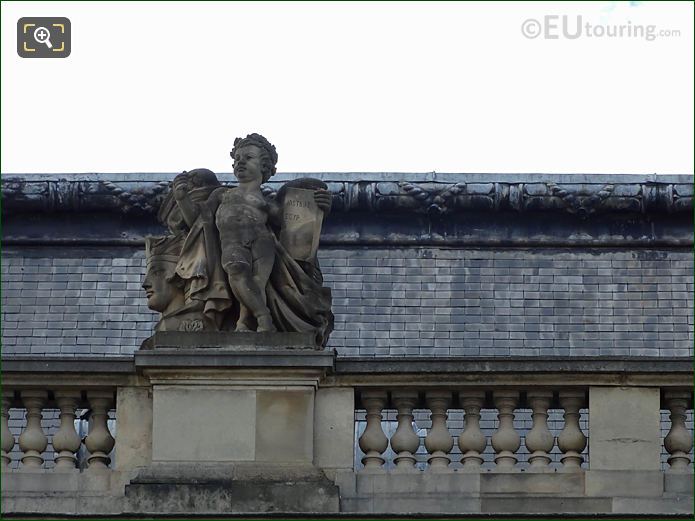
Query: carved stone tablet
[(301, 224)]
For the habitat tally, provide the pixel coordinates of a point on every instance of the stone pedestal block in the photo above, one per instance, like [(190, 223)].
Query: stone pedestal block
[(221, 403)]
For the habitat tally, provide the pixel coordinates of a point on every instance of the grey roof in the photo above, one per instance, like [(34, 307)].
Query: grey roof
[(419, 264)]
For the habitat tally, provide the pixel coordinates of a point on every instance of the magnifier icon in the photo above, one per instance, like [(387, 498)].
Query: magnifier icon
[(43, 35)]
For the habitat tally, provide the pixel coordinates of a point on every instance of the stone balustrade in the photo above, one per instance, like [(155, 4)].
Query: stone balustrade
[(521, 440), (439, 436), (49, 401), (438, 404), (433, 404), (33, 442)]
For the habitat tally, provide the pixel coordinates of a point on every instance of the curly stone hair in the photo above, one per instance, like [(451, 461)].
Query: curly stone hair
[(270, 158)]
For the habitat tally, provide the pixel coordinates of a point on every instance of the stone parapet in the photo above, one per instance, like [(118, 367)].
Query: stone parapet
[(214, 431)]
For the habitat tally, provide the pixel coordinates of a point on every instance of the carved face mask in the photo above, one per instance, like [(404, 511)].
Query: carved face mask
[(159, 290)]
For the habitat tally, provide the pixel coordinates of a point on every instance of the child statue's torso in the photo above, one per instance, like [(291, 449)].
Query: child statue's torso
[(241, 217)]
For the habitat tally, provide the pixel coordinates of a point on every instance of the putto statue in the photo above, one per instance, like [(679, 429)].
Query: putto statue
[(236, 260)]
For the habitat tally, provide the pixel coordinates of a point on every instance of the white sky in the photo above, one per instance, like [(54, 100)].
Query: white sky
[(400, 87)]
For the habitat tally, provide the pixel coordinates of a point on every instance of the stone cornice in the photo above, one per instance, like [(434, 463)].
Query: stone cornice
[(382, 193), (513, 365), (363, 365), (359, 365), (386, 373)]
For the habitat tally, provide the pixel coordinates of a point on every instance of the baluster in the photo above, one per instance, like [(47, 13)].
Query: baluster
[(505, 440), (99, 441), (7, 437), (571, 440), (539, 440), (405, 441), (373, 441), (33, 441), (472, 441), (438, 441), (66, 442), (678, 441)]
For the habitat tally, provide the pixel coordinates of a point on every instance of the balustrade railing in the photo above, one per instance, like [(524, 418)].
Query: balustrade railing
[(441, 442), (541, 426), (65, 442), (448, 448)]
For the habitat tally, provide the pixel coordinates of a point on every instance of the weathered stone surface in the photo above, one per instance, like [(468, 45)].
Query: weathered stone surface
[(218, 488), (230, 341), (625, 483), (192, 423), (233, 497), (285, 425), (569, 484), (659, 506), (80, 365), (428, 493), (134, 440), (545, 505), (334, 433), (426, 483), (41, 480), (29, 505), (191, 472), (228, 358), (678, 483), (625, 428), (67, 493), (408, 504), (419, 492)]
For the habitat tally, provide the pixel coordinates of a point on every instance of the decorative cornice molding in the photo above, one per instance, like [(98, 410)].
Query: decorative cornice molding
[(580, 195)]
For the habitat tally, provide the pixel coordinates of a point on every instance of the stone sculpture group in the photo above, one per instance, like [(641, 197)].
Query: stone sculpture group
[(235, 259)]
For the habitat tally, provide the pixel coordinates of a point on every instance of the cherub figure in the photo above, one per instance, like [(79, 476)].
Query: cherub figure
[(244, 219)]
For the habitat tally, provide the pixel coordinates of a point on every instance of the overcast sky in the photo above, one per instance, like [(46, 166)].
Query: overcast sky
[(361, 87)]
